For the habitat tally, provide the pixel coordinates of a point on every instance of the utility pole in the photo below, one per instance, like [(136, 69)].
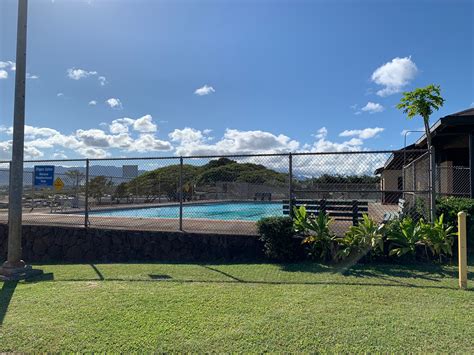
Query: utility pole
[(14, 267)]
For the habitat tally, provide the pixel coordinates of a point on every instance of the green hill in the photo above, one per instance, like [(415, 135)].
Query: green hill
[(165, 180)]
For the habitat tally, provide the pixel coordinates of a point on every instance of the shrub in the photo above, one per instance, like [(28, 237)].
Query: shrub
[(360, 239), (278, 238), (439, 238), (405, 237), (450, 207), (319, 240)]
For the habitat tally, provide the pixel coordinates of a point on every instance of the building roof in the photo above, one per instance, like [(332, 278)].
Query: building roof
[(400, 157), (461, 122)]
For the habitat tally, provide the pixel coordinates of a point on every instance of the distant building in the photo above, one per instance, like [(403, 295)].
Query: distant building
[(129, 171)]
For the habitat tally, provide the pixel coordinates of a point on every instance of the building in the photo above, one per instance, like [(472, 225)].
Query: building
[(407, 170)]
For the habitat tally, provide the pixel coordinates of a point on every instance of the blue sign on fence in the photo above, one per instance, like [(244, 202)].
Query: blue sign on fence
[(44, 175)]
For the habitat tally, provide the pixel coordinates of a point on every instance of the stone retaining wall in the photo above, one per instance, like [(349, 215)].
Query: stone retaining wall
[(70, 244)]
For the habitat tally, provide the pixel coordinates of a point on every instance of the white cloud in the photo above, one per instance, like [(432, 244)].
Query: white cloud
[(365, 133), (102, 80), (148, 143), (394, 75), (89, 152), (114, 103), (92, 103), (144, 124), (191, 142), (59, 94), (204, 90), (77, 74), (186, 135), (59, 155), (8, 65), (30, 152), (322, 133), (3, 74), (93, 137), (372, 107), (120, 125), (31, 76)]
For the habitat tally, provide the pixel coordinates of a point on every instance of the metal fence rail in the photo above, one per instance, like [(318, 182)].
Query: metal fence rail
[(224, 193)]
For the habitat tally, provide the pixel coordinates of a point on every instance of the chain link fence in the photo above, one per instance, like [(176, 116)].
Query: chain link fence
[(224, 194)]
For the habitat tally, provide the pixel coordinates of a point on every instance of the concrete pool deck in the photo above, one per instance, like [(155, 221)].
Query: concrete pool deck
[(44, 217)]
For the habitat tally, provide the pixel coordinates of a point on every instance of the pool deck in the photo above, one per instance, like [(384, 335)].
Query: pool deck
[(42, 216)]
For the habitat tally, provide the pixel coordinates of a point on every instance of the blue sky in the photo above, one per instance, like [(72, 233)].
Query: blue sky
[(151, 78)]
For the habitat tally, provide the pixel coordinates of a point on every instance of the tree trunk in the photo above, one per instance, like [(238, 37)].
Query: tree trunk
[(426, 121)]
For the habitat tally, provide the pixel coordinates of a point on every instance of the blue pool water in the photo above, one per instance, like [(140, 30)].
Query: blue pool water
[(241, 211)]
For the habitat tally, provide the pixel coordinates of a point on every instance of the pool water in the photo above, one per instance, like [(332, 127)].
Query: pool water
[(241, 211)]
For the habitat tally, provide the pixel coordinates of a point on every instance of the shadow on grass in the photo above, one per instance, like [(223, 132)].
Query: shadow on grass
[(6, 294), (388, 275)]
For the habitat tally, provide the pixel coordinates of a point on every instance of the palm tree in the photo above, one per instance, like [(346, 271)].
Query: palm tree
[(422, 102)]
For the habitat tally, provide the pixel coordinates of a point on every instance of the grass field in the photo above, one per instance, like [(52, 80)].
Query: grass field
[(238, 307)]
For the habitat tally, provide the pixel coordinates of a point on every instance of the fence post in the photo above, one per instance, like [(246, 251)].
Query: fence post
[(432, 184), (290, 185), (462, 250), (86, 199), (355, 212), (181, 193)]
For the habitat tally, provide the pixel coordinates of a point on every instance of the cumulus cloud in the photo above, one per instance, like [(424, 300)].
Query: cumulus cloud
[(372, 107), (114, 103), (186, 135), (394, 75), (204, 90), (92, 103), (8, 65), (321, 133), (365, 133), (143, 124), (148, 143), (3, 74), (234, 141), (77, 74), (102, 80)]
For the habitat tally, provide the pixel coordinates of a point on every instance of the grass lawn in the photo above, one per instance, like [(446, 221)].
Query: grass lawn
[(238, 307)]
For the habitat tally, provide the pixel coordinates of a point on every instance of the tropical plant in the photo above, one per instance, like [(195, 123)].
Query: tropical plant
[(318, 237), (406, 237), (361, 239), (439, 237), (422, 102)]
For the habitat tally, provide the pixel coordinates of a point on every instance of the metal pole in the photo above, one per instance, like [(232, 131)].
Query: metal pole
[(181, 193), (86, 199), (16, 172), (432, 184), (290, 184)]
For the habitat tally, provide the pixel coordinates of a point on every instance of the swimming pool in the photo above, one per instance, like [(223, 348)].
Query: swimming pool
[(240, 211)]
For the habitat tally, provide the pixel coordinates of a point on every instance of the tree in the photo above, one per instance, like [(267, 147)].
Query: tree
[(76, 177), (422, 102), (98, 187)]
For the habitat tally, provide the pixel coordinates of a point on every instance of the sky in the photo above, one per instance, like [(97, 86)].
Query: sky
[(139, 78)]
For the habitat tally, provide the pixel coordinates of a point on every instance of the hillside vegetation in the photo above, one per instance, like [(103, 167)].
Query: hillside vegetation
[(165, 180)]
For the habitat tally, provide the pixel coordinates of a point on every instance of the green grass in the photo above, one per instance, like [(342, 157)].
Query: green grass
[(238, 307)]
